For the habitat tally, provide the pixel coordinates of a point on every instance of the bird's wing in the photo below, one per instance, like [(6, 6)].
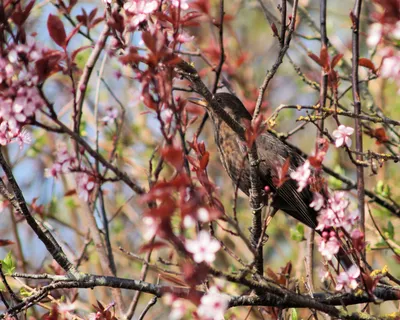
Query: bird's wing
[(272, 154)]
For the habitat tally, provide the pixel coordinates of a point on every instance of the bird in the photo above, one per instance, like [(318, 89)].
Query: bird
[(272, 154)]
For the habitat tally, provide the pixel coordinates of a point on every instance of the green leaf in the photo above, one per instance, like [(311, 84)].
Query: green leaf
[(8, 264), (389, 231), (294, 314), (382, 189), (297, 234), (24, 293)]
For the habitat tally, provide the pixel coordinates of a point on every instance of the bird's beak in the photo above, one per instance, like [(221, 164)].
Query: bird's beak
[(199, 101)]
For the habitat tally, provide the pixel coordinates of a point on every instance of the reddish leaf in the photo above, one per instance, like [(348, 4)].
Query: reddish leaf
[(72, 33), (173, 155), (366, 63), (189, 19), (72, 3), (48, 65), (324, 57), (194, 274), (274, 29), (283, 176), (380, 135), (4, 242), (153, 41), (70, 193), (353, 19), (315, 58), (336, 60), (56, 30), (172, 279), (92, 14), (204, 160), (272, 275), (164, 210), (19, 16), (152, 246)]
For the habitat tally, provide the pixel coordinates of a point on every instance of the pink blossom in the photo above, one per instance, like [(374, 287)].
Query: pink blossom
[(213, 305), (342, 134), (184, 37), (111, 116), (4, 134), (375, 33), (302, 175), (390, 67), (151, 227), (318, 201), (329, 247), (23, 137), (189, 221), (85, 185), (139, 10), (325, 219), (183, 3), (203, 248), (357, 239), (178, 309), (201, 215), (348, 279), (396, 31), (350, 220), (338, 202), (53, 172), (95, 316)]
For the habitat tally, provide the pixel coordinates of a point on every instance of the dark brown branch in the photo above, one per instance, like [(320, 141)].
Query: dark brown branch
[(18, 202), (324, 75), (272, 294), (221, 47), (283, 23), (357, 110)]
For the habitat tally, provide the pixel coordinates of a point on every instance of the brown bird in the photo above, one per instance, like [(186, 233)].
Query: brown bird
[(272, 153)]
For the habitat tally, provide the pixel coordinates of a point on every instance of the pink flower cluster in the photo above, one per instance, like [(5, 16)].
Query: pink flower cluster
[(302, 175), (67, 162), (19, 98), (333, 213)]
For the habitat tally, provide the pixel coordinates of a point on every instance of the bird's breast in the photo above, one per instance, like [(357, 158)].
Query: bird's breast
[(232, 155)]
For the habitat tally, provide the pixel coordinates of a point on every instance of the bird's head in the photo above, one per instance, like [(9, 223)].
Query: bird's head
[(230, 103)]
